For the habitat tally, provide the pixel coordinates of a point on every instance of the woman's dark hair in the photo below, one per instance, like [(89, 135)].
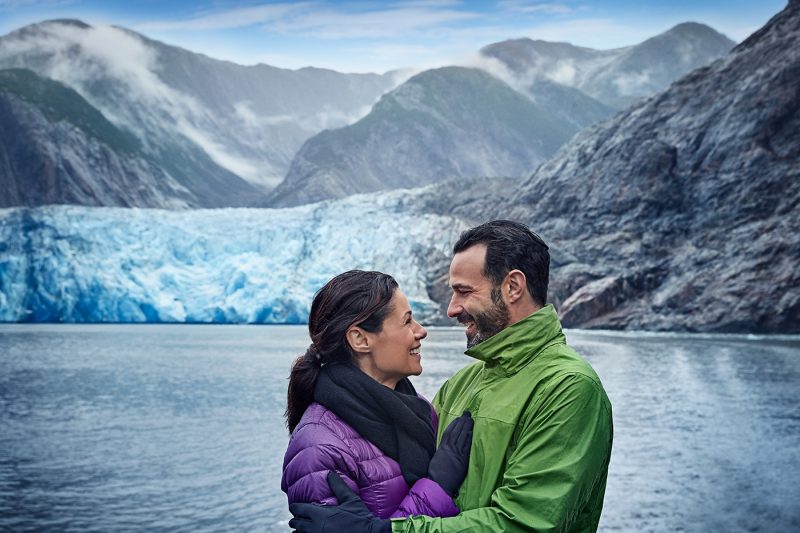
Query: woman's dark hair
[(354, 298)]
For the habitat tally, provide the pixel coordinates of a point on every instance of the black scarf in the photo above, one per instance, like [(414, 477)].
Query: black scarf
[(397, 421)]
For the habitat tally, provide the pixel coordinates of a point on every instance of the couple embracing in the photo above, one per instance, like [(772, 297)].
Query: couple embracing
[(524, 432)]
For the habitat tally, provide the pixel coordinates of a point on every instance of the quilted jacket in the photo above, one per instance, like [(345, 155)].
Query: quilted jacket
[(322, 442)]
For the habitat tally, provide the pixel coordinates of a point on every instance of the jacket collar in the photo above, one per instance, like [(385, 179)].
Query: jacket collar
[(515, 346)]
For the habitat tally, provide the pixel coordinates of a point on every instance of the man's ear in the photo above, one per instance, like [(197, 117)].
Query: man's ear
[(515, 286), (358, 340)]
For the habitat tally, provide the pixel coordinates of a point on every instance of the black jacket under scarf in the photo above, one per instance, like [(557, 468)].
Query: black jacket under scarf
[(397, 421)]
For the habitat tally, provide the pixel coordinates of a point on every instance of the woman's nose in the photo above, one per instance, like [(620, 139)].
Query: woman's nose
[(421, 332)]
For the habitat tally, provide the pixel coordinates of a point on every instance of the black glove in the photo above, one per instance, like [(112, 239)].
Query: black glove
[(350, 515), (449, 464)]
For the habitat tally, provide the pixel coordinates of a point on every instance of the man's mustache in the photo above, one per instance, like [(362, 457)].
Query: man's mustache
[(464, 317)]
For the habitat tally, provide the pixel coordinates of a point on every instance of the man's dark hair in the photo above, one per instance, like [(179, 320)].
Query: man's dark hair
[(509, 246)]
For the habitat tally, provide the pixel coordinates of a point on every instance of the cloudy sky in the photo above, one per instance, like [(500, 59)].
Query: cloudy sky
[(375, 36)]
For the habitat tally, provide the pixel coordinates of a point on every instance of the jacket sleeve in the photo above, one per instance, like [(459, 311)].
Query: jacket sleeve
[(317, 451), (426, 497), (561, 456)]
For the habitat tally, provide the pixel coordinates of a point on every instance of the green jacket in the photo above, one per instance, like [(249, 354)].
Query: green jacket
[(542, 437)]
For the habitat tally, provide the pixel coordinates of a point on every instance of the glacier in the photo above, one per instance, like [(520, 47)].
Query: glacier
[(237, 265)]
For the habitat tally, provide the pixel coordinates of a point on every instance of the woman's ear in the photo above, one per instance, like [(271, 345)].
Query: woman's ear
[(358, 340)]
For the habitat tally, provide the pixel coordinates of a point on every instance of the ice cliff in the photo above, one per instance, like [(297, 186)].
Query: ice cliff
[(81, 264)]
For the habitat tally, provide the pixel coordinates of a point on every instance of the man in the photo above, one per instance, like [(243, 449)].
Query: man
[(543, 427)]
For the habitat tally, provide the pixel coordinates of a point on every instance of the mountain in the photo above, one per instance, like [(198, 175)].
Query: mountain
[(440, 124), (651, 66), (56, 148), (415, 136), (203, 126), (196, 117), (568, 105), (614, 77), (682, 212), (83, 264)]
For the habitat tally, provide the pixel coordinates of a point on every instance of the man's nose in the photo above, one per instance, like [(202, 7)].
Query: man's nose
[(454, 309)]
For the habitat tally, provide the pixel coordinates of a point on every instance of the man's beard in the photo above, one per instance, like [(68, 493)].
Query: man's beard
[(488, 323)]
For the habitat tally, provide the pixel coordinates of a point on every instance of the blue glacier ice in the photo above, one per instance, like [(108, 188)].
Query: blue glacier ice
[(80, 264)]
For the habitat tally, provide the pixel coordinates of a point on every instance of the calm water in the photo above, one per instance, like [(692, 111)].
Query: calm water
[(108, 428)]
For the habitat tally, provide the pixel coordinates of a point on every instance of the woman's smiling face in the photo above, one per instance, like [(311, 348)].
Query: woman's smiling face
[(394, 353)]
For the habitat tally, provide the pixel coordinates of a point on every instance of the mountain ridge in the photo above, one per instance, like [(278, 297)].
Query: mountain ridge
[(441, 123), (616, 77), (338, 162), (197, 115), (681, 212)]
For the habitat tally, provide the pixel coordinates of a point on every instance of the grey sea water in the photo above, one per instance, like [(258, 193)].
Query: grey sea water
[(179, 428)]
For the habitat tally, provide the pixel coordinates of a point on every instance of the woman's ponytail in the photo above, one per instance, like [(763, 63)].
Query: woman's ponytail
[(302, 380)]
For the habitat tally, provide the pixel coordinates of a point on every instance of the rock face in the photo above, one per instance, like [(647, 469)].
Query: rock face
[(55, 148), (614, 77), (441, 124), (682, 212), (455, 123), (198, 118)]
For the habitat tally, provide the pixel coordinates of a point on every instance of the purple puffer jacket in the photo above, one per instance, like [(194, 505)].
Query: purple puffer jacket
[(322, 442)]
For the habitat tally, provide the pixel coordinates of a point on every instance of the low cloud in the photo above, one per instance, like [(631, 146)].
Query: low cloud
[(498, 69), (252, 120), (564, 73), (634, 83), (113, 54), (333, 118)]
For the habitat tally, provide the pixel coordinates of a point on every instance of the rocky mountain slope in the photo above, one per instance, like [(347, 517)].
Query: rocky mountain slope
[(679, 214), (208, 124), (197, 118), (440, 124), (412, 138), (56, 148), (614, 77), (683, 212)]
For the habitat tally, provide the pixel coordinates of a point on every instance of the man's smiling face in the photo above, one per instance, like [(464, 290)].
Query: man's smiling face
[(476, 302)]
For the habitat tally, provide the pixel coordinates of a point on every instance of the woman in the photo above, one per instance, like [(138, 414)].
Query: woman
[(352, 410)]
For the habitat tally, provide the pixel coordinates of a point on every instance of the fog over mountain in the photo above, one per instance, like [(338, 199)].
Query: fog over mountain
[(56, 148), (440, 124), (446, 124), (614, 77), (213, 134), (682, 212), (195, 116)]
